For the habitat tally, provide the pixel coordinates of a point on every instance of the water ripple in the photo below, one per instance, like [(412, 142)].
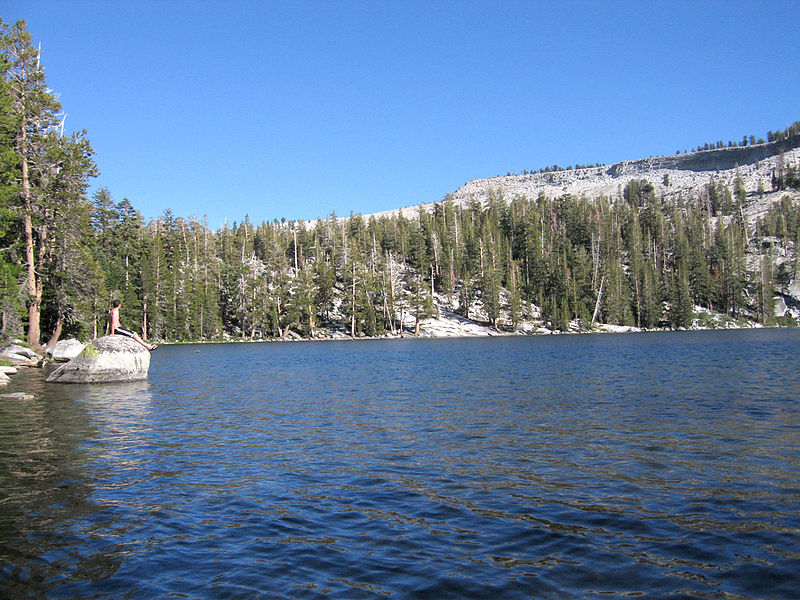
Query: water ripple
[(575, 467)]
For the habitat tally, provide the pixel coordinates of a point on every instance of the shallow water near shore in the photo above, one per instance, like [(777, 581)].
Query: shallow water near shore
[(654, 464)]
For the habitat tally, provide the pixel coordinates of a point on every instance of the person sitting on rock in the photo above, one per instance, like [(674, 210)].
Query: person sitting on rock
[(114, 328)]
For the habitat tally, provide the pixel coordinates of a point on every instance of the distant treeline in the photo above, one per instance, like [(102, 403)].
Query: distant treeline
[(772, 136), (634, 260), (639, 260), (556, 168)]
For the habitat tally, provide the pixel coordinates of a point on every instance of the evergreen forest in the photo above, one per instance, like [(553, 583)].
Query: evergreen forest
[(569, 262)]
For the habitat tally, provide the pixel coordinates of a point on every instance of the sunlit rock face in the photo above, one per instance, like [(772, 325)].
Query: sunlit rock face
[(108, 359), (19, 355), (66, 350)]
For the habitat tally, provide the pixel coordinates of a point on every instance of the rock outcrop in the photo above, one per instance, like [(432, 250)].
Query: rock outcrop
[(20, 355), (671, 176), (108, 359), (65, 350)]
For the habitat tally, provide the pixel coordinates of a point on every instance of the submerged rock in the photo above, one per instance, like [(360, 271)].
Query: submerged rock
[(113, 358), (18, 396), (65, 350)]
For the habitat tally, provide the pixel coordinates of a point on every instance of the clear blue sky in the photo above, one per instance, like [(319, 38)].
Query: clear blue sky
[(297, 109)]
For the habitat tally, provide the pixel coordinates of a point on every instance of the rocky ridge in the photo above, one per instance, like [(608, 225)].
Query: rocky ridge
[(679, 174)]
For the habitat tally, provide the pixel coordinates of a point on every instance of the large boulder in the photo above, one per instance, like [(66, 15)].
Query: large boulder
[(108, 359), (65, 350)]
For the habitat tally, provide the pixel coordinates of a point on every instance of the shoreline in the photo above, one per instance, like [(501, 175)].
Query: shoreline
[(15, 391), (602, 330)]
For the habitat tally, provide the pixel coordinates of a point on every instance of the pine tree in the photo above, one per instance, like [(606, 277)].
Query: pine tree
[(514, 294), (491, 277), (12, 308), (680, 312), (155, 272), (490, 294), (69, 273), (324, 281), (303, 296), (35, 117), (766, 292), (419, 300)]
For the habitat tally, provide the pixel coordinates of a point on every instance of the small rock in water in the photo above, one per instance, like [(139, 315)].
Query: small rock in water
[(18, 396)]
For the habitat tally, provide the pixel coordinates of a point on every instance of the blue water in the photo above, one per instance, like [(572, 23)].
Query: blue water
[(659, 465)]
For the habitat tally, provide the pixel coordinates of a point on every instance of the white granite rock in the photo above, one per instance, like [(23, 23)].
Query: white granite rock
[(65, 350), (113, 358), (15, 349)]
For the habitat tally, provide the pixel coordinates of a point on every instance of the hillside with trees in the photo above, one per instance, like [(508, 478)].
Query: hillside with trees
[(646, 244)]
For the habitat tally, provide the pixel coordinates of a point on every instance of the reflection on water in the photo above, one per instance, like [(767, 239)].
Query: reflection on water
[(49, 446), (559, 467)]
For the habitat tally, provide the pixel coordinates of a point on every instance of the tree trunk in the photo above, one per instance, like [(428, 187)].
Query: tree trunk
[(94, 318), (391, 295), (353, 306), (144, 319), (56, 332), (34, 289), (599, 297)]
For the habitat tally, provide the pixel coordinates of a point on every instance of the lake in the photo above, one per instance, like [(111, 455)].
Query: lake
[(597, 466)]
